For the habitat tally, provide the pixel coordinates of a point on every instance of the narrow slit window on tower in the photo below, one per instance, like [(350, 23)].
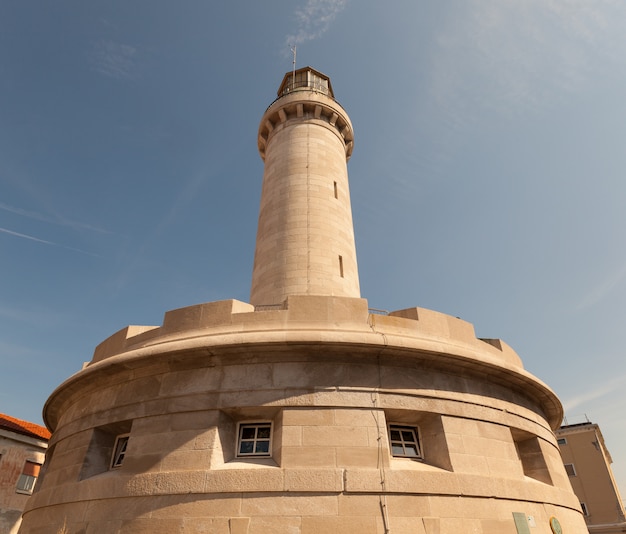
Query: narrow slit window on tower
[(335, 188), (341, 266)]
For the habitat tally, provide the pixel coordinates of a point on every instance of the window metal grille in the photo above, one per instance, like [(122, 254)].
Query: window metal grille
[(119, 450), (28, 477), (404, 441), (254, 439)]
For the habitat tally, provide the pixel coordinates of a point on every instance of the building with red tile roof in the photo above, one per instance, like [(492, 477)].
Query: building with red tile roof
[(22, 451), (23, 427)]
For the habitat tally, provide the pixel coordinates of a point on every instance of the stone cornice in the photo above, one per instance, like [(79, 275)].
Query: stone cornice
[(306, 106), (232, 328)]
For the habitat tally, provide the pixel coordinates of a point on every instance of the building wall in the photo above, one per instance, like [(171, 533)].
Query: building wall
[(15, 450), (593, 480), (330, 392)]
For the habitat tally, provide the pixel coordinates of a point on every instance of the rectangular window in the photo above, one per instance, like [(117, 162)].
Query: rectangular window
[(562, 441), (254, 439), (569, 469), (584, 508), (301, 79), (341, 266), (119, 450), (404, 441), (531, 456), (26, 482), (335, 188)]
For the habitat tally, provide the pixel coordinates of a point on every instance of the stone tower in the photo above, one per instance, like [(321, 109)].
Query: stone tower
[(305, 240), (303, 412)]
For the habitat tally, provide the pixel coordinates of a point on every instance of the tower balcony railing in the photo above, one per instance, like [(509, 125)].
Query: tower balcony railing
[(576, 420), (304, 85), (319, 86), (270, 307)]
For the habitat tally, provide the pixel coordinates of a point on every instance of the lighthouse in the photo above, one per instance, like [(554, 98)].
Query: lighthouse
[(303, 411), (305, 236)]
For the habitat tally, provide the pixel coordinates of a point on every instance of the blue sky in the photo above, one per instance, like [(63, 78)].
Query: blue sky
[(487, 179)]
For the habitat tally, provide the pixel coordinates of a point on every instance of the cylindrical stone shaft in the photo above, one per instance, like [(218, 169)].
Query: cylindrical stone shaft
[(305, 238)]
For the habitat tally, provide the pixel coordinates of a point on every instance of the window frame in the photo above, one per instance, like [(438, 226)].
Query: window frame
[(255, 440), (583, 507), (120, 448), (26, 482), (561, 441), (403, 427), (573, 470)]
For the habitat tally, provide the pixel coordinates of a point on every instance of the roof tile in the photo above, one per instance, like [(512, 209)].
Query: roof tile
[(23, 427)]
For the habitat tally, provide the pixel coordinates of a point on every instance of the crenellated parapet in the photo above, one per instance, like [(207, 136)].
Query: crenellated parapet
[(235, 329), (348, 320)]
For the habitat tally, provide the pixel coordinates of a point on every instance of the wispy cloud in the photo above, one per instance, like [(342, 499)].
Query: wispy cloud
[(603, 289), (115, 60), (45, 241), (314, 19), (61, 221), (181, 202), (511, 57), (40, 317), (19, 354), (608, 387), (25, 236)]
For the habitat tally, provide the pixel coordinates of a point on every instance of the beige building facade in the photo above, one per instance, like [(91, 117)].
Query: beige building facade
[(22, 449), (588, 465), (304, 411)]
